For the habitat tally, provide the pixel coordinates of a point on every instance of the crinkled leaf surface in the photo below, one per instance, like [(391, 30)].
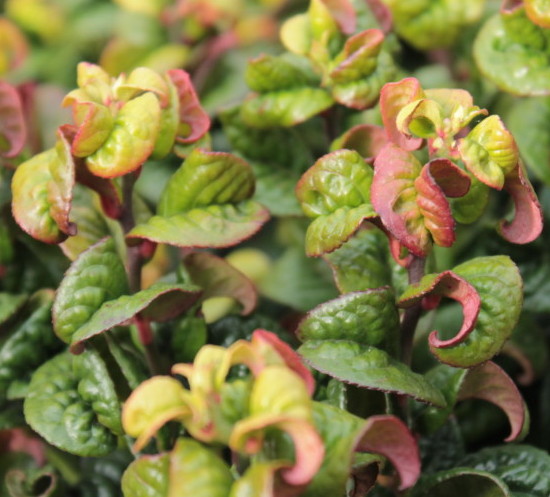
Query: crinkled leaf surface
[(95, 277), (42, 194), (336, 191), (368, 367), (160, 302), (95, 122), (513, 52), (499, 285), (147, 477), (268, 73), (219, 278), (523, 468), (368, 318), (72, 403), (131, 140), (12, 124)]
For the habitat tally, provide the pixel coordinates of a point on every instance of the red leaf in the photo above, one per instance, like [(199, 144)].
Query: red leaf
[(194, 119), (382, 13), (393, 97), (449, 177), (528, 220), (389, 436), (12, 122), (366, 139), (489, 382)]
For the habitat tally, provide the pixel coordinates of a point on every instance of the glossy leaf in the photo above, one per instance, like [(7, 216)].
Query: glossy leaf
[(219, 278), (131, 141), (368, 318), (498, 283), (527, 223), (393, 97), (258, 479), (511, 51), (489, 152), (446, 284), (42, 194), (147, 477), (285, 107), (13, 132), (368, 367), (95, 277), (522, 467), (95, 122), (159, 302), (335, 191), (72, 403)]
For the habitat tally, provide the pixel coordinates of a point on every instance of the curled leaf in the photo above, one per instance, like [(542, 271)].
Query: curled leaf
[(446, 284), (94, 124), (366, 139), (528, 220), (13, 132)]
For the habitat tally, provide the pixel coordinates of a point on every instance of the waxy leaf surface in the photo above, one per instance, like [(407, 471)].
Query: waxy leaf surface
[(335, 191), (73, 404), (368, 367), (12, 124), (159, 302), (95, 277), (513, 53), (147, 477), (368, 318)]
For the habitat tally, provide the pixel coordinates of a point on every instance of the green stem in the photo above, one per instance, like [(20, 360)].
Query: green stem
[(412, 314)]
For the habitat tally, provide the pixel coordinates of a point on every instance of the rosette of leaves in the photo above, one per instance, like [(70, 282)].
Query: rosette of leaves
[(256, 418), (512, 48)]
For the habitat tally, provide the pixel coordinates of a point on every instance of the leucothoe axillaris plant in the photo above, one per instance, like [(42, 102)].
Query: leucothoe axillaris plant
[(305, 291)]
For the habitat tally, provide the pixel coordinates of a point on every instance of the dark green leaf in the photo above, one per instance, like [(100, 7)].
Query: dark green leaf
[(368, 367), (9, 305)]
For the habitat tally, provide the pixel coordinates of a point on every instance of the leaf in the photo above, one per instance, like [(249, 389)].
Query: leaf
[(13, 132), (258, 479), (193, 120), (335, 191), (103, 476), (461, 481), (446, 284), (267, 73), (219, 278), (393, 97), (512, 52), (366, 139), (528, 219), (95, 277), (147, 477), (29, 345), (95, 123), (214, 226), (33, 483), (409, 200), (367, 318), (537, 11), (489, 152), (42, 194), (131, 141), (275, 189), (159, 302), (285, 107), (368, 367), (72, 403), (10, 304), (470, 207), (522, 467)]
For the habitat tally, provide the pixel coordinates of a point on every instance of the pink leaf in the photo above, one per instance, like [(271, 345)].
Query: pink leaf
[(382, 13), (449, 177), (194, 122), (489, 382), (12, 122), (389, 436), (366, 139), (528, 220), (393, 97), (343, 13)]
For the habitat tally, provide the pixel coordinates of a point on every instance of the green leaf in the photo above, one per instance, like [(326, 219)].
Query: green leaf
[(285, 107), (10, 304), (368, 367), (147, 477), (533, 140), (132, 139), (268, 73), (498, 283), (97, 276), (72, 403), (214, 226), (30, 344), (522, 467), (335, 191), (459, 482), (471, 206), (160, 302), (42, 193), (33, 483), (367, 318), (102, 477), (513, 53), (198, 471), (95, 122)]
